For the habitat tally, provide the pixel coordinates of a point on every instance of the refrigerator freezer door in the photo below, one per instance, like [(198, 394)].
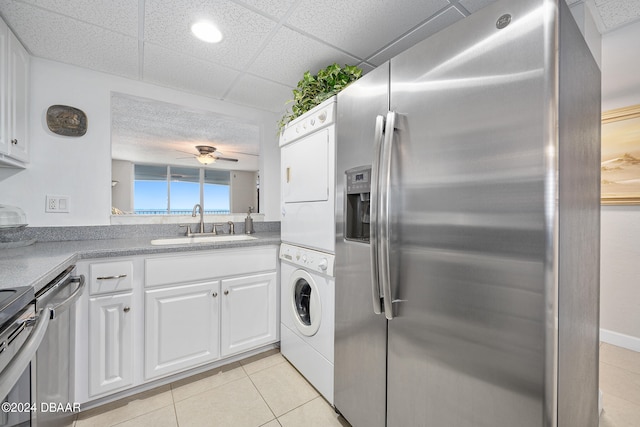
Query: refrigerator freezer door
[(468, 224), (361, 335)]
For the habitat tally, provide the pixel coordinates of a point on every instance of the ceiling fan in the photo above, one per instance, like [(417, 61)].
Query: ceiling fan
[(206, 155)]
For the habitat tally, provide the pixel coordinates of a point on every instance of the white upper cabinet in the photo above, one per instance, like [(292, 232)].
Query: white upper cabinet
[(14, 100)]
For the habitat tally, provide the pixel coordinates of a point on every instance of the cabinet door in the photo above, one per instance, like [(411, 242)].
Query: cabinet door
[(18, 100), (110, 343), (248, 314), (305, 175), (181, 327), (4, 88)]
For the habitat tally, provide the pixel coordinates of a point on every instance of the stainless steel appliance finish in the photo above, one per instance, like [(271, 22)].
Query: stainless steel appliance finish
[(360, 336), (54, 373), (35, 350), (17, 340), (21, 332), (483, 142), (12, 301)]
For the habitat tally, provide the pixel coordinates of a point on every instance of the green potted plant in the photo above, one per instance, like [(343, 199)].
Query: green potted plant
[(313, 90)]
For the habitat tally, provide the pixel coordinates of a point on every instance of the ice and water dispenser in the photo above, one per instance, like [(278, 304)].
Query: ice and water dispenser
[(358, 204)]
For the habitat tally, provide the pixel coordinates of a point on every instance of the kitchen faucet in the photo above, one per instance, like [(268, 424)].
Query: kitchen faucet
[(193, 214)]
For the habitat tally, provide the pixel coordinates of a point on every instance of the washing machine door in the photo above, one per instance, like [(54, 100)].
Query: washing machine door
[(305, 302)]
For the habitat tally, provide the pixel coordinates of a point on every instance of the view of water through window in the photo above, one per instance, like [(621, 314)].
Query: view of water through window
[(155, 194)]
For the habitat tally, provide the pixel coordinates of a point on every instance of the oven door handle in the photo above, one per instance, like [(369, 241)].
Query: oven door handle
[(71, 299), (12, 372)]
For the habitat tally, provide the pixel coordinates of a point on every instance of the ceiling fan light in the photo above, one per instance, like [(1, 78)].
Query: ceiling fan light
[(206, 159), (206, 31)]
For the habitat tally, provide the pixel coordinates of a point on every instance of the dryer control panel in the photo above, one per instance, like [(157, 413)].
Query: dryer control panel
[(315, 119), (319, 262)]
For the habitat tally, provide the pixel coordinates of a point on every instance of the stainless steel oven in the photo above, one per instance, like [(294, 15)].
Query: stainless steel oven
[(20, 334), (36, 345)]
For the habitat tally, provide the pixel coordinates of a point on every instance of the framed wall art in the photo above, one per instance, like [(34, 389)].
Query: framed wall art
[(620, 167)]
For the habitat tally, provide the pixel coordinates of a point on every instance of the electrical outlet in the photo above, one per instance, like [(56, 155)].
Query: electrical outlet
[(57, 204)]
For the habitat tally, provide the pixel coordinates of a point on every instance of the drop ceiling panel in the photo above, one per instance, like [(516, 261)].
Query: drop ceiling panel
[(257, 92), (300, 53), (71, 41), (274, 8), (427, 29), (362, 27), (116, 15), (475, 5), (615, 13), (169, 68), (168, 22)]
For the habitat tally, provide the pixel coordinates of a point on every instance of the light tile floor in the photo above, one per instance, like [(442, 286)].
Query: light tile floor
[(267, 391), (620, 384), (264, 390)]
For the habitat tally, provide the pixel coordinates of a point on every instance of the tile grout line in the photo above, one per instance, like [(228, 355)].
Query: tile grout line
[(173, 403), (265, 401), (175, 414), (207, 390), (261, 396), (302, 404)]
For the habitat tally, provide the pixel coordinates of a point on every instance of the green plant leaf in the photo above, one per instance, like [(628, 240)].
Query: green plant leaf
[(315, 89)]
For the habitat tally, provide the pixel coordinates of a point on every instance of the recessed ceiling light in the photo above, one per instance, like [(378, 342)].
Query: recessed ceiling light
[(206, 31)]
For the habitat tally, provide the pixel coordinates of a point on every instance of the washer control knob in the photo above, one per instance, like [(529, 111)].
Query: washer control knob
[(322, 117), (312, 121), (304, 258), (323, 264)]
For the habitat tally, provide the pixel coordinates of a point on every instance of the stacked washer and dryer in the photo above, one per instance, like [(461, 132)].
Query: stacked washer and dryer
[(307, 161)]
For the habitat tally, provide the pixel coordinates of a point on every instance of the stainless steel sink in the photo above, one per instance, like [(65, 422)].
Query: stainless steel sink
[(202, 239)]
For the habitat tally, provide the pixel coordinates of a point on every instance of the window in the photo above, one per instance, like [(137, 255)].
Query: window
[(184, 190), (175, 190)]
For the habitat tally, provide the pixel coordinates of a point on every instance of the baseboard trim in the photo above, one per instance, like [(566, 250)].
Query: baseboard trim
[(621, 340)]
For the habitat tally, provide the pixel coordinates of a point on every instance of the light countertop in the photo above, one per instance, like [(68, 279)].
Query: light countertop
[(38, 264)]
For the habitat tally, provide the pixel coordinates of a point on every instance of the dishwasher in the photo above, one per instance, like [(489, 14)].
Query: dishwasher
[(36, 346), (54, 364)]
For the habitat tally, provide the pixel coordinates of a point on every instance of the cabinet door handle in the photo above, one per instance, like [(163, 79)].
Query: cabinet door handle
[(215, 294), (14, 141), (226, 291), (118, 276), (126, 309)]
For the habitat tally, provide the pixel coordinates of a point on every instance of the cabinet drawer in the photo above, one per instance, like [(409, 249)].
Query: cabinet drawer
[(203, 266), (107, 277)]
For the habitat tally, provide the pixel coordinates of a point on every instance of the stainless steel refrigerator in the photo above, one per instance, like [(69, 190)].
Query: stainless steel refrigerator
[(468, 227)]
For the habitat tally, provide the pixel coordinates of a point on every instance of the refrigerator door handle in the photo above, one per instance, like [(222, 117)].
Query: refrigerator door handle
[(383, 215), (373, 212)]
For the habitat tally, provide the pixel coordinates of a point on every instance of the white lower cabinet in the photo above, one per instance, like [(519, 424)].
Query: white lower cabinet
[(148, 317), (110, 343), (181, 327), (248, 314)]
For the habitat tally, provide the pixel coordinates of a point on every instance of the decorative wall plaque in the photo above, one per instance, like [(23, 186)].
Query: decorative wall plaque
[(66, 121)]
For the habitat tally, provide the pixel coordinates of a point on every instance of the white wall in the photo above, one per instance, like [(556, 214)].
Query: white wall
[(122, 193), (620, 254), (243, 191), (81, 167)]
